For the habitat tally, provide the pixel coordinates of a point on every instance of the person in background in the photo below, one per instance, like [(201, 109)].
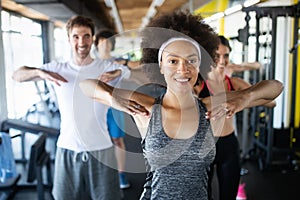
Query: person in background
[(179, 150), (105, 44), (227, 160), (85, 163), (244, 66), (232, 68)]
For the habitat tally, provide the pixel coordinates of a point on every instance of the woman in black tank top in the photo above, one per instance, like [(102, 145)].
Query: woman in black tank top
[(227, 160), (177, 138)]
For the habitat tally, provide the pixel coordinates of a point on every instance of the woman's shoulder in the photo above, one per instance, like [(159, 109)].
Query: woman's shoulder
[(201, 104), (239, 83)]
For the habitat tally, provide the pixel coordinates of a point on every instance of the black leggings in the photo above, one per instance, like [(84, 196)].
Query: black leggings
[(227, 162)]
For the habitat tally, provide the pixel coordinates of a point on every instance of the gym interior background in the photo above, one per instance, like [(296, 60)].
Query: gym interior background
[(32, 33)]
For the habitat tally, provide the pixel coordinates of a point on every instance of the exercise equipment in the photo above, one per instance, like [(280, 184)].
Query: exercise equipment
[(267, 140), (8, 173), (39, 157)]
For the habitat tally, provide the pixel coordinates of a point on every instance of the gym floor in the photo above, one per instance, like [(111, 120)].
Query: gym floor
[(276, 182)]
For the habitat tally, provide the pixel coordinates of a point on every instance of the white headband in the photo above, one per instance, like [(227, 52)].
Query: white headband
[(174, 39)]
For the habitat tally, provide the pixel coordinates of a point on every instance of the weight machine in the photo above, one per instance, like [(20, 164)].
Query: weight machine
[(269, 143)]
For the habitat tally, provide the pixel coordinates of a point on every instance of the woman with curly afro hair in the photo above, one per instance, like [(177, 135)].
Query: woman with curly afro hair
[(173, 24), (177, 139)]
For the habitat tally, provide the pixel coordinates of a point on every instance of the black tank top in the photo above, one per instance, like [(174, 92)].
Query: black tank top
[(179, 166), (206, 91)]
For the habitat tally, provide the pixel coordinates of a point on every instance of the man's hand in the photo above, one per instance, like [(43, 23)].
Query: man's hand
[(109, 76), (121, 62), (51, 76)]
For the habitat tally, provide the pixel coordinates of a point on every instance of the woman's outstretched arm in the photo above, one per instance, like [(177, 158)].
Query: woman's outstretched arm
[(230, 103), (125, 100)]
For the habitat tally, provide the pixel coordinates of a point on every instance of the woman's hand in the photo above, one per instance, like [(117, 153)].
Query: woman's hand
[(225, 104), (117, 98), (109, 76), (129, 106)]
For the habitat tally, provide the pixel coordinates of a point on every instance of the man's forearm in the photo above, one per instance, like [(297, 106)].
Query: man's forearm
[(26, 74)]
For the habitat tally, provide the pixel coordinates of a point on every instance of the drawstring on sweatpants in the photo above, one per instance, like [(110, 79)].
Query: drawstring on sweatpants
[(84, 156)]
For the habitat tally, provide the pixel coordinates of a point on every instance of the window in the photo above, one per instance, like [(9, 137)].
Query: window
[(22, 41)]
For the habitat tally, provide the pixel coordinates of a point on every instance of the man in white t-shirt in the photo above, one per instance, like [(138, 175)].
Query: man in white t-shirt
[(85, 164)]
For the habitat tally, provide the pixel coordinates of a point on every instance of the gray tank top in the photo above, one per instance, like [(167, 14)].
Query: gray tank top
[(179, 167)]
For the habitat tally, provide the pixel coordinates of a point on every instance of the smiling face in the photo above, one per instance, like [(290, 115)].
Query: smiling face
[(180, 65), (222, 58), (81, 40)]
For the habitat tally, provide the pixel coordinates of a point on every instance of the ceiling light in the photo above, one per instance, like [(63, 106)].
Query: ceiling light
[(250, 2), (158, 2), (216, 16), (145, 21), (108, 3), (233, 9), (151, 12), (114, 13)]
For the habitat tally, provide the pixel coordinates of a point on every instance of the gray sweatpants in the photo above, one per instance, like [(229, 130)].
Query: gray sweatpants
[(86, 175)]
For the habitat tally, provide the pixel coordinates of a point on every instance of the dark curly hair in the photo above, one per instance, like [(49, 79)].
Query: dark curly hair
[(176, 24)]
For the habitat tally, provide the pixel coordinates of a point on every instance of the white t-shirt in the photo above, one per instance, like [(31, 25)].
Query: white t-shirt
[(83, 120)]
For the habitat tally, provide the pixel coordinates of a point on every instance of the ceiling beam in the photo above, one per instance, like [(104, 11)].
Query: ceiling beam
[(61, 10)]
